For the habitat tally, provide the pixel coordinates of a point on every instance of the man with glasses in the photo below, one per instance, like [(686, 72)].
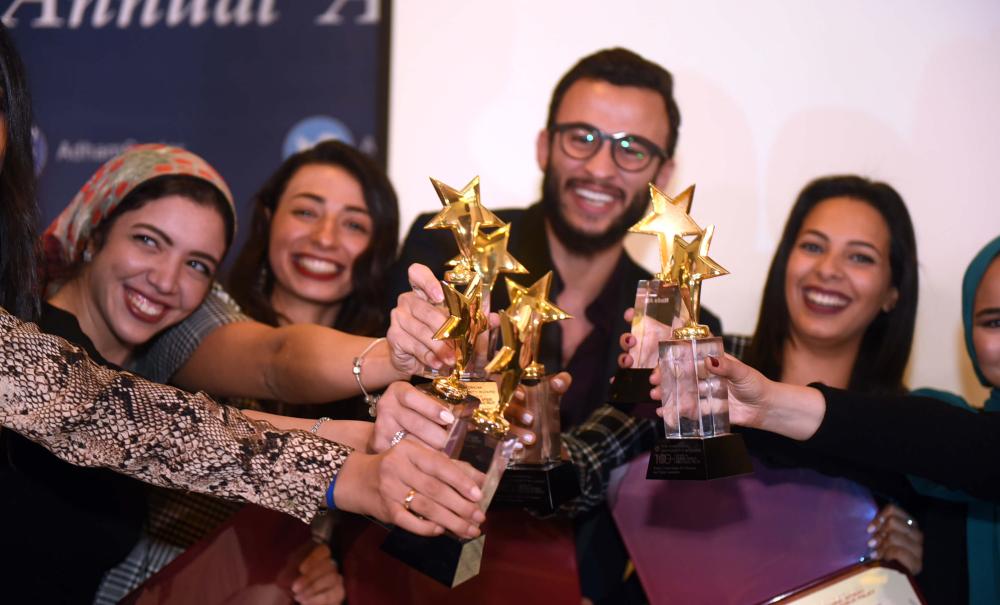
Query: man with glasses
[(612, 129)]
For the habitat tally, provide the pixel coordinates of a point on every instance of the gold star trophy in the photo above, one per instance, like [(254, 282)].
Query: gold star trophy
[(658, 307), (479, 434), (538, 478), (695, 403)]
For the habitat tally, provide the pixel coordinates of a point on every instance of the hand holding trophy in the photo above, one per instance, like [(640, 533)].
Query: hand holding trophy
[(479, 435), (698, 444), (538, 478)]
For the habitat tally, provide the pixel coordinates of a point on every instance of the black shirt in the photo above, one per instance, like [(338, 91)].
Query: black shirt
[(63, 526)]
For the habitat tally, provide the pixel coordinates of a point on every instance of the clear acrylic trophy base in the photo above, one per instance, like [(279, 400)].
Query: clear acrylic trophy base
[(537, 478), (447, 558), (698, 444), (658, 310)]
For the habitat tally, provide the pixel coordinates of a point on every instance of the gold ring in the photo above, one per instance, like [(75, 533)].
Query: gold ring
[(408, 500)]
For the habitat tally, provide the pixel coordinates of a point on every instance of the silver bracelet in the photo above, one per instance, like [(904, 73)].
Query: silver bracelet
[(319, 423), (370, 399)]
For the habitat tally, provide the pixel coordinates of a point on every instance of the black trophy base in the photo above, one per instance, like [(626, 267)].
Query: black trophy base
[(630, 392), (540, 488), (699, 459), (447, 559)]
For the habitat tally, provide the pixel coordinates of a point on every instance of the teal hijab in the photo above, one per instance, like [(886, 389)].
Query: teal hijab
[(983, 522)]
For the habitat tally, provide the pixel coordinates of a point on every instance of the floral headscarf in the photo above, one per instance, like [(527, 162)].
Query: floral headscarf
[(68, 236)]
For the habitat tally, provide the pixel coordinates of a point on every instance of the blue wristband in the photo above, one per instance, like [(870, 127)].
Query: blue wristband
[(330, 504)]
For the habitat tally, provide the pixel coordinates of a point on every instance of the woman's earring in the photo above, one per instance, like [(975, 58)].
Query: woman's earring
[(87, 256)]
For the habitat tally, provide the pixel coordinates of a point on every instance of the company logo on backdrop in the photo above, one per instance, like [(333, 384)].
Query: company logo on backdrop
[(315, 129), (97, 151), (46, 14), (39, 149)]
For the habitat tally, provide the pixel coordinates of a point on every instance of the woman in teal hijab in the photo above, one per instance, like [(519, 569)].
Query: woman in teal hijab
[(981, 319)]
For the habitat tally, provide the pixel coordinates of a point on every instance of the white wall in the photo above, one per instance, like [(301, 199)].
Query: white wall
[(772, 94)]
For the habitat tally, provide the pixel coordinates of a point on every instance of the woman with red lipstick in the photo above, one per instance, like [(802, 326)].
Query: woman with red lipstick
[(838, 307), (323, 234)]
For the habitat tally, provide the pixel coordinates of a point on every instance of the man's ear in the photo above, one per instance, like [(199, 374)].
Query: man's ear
[(662, 177), (543, 148)]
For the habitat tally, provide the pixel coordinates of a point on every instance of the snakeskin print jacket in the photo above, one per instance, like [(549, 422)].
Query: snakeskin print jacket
[(52, 393)]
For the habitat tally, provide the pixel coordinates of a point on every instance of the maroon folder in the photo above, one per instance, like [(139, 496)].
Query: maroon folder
[(742, 539), (252, 558)]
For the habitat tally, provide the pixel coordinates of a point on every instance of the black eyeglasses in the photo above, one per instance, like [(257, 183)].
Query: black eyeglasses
[(630, 152)]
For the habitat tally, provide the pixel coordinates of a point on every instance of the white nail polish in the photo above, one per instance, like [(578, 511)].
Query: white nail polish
[(447, 416)]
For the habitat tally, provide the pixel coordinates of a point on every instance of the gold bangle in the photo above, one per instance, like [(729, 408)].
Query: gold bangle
[(370, 399)]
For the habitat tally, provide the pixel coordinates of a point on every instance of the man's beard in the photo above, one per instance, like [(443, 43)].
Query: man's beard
[(582, 242)]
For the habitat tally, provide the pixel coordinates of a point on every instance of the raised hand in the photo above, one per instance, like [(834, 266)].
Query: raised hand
[(413, 323)]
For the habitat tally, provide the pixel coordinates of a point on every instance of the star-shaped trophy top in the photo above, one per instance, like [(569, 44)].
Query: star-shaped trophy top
[(532, 307), (490, 256), (465, 314), (694, 259), (537, 296), (463, 214), (667, 219)]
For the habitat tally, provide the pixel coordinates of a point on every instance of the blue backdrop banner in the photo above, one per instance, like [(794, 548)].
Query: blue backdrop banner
[(243, 83)]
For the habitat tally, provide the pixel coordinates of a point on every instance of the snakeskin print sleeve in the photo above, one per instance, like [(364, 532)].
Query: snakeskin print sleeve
[(52, 393)]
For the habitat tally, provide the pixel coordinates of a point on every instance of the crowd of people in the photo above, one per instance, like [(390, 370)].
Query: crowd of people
[(122, 311)]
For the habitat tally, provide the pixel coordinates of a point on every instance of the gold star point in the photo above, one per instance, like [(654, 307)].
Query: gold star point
[(463, 309), (463, 213), (537, 296), (668, 219)]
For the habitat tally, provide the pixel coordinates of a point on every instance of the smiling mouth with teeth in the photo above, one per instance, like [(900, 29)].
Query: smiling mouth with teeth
[(826, 300), (311, 266), (143, 308)]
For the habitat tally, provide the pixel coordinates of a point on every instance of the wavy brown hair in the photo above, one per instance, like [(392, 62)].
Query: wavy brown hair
[(251, 280)]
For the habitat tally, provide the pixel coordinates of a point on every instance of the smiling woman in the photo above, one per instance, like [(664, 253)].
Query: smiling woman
[(149, 264)]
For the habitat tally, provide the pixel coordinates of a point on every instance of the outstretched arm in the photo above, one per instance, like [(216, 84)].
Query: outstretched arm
[(52, 393), (905, 434), (297, 364)]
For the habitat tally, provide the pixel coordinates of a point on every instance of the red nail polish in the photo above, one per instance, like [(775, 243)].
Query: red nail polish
[(712, 360)]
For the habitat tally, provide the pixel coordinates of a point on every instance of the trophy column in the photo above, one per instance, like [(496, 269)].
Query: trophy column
[(698, 444), (658, 306)]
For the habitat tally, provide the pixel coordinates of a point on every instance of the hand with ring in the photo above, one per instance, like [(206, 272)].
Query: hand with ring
[(894, 536), (414, 487), (408, 410)]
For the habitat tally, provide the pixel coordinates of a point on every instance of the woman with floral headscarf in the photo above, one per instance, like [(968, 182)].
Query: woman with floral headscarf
[(134, 253), (53, 394)]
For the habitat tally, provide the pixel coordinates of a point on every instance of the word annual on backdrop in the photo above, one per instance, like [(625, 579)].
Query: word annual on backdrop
[(53, 14)]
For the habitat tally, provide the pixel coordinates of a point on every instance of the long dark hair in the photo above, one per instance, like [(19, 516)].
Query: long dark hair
[(251, 280), (18, 207), (885, 346)]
